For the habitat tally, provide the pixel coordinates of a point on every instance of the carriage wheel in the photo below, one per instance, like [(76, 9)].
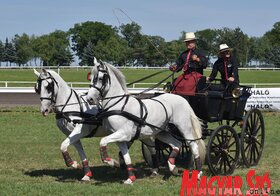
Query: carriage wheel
[(223, 150), (252, 138)]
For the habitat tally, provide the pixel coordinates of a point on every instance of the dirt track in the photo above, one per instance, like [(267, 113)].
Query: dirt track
[(18, 99)]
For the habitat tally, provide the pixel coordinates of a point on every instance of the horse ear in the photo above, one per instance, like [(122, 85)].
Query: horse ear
[(45, 72), (36, 72), (95, 62)]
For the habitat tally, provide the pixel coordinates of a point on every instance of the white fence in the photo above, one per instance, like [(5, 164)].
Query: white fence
[(8, 84), (124, 67)]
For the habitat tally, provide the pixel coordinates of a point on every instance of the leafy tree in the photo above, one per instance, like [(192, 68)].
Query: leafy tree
[(23, 49), (153, 51), (207, 41), (54, 49), (274, 35), (94, 32), (131, 33), (173, 49), (258, 48), (35, 44)]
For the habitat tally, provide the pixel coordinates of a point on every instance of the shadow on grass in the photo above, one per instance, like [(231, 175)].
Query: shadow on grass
[(101, 174)]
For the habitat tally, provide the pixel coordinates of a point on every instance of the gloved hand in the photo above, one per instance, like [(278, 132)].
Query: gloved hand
[(195, 58), (173, 68)]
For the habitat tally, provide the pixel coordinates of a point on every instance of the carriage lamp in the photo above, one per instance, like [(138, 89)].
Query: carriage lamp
[(236, 92)]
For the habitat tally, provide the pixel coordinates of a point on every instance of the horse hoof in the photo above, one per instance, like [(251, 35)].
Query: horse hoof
[(173, 168), (175, 171), (199, 175), (85, 179), (154, 173), (112, 163), (76, 165), (128, 181)]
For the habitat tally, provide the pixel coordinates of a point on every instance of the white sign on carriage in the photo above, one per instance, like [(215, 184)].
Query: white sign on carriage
[(264, 99)]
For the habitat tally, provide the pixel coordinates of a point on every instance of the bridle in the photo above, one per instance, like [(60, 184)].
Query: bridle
[(105, 80), (49, 88)]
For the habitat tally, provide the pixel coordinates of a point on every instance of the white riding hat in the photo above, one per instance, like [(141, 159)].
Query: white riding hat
[(190, 36), (224, 47)]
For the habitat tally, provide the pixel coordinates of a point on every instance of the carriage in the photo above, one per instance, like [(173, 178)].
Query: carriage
[(238, 132), (132, 118)]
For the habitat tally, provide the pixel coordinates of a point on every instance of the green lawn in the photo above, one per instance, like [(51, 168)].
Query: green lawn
[(75, 75), (31, 162)]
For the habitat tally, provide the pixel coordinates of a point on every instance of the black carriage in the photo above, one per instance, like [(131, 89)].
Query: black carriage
[(239, 131)]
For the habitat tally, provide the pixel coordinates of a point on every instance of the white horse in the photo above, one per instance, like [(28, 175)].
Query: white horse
[(130, 118), (70, 109)]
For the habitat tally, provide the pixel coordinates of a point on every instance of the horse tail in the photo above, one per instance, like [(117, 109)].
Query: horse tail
[(196, 124)]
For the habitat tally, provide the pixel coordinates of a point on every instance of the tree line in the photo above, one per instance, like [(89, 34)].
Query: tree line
[(126, 45)]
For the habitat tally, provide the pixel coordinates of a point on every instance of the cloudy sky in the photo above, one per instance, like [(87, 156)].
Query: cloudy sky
[(156, 17)]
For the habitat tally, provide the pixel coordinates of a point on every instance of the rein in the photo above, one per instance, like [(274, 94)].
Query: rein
[(157, 84), (147, 77)]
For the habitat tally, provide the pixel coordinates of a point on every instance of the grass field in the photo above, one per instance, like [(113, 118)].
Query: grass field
[(31, 162), (75, 75)]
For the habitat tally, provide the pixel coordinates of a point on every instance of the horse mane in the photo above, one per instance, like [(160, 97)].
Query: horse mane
[(57, 77), (119, 75)]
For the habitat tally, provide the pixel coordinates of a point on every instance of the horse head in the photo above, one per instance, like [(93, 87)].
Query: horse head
[(46, 87), (100, 82)]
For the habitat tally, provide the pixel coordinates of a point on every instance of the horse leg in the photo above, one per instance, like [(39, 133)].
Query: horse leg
[(130, 170), (121, 138), (190, 127), (167, 138), (121, 159), (74, 138), (194, 148), (150, 143), (197, 161), (86, 168)]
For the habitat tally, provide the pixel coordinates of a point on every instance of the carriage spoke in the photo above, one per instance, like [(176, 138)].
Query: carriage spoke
[(246, 147), (249, 150), (257, 150), (232, 159), (230, 145), (218, 162), (251, 123), (251, 153), (255, 117), (248, 127), (228, 162), (221, 164), (257, 130), (229, 139), (218, 138), (258, 143), (225, 166)]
